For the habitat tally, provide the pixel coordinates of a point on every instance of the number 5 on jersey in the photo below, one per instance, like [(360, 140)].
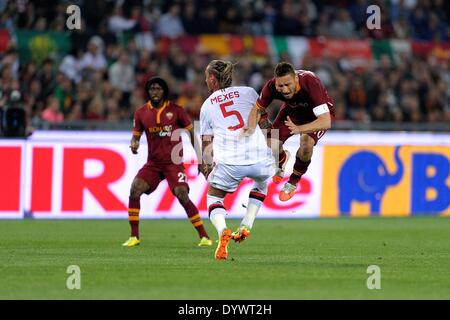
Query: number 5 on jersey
[(232, 113)]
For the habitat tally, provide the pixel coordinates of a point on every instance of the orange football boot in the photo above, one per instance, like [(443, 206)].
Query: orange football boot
[(287, 192), (222, 251), (241, 234)]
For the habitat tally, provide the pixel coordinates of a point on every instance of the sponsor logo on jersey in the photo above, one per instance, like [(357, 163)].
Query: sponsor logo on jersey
[(162, 131)]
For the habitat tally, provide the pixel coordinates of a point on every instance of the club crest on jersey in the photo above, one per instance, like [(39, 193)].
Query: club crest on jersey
[(169, 115)]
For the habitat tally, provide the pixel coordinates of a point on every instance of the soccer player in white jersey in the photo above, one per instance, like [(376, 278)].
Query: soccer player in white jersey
[(222, 116)]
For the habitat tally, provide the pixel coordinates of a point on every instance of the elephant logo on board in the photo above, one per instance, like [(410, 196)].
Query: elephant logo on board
[(365, 178)]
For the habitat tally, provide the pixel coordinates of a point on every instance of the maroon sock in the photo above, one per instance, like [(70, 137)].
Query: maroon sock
[(195, 219), (300, 168), (134, 206)]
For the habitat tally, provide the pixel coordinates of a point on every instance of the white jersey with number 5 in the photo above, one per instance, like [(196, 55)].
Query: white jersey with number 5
[(223, 115)]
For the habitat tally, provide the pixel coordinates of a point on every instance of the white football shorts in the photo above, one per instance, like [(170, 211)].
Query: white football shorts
[(227, 177)]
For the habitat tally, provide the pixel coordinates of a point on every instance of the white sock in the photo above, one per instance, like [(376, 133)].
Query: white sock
[(255, 201), (217, 218), (217, 214), (252, 210)]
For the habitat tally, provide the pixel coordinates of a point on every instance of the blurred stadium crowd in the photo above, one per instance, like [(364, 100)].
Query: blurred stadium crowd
[(102, 77)]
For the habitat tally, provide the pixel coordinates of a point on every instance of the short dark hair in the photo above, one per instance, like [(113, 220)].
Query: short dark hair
[(284, 68)]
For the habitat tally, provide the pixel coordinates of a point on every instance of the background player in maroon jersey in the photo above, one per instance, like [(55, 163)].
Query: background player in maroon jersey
[(307, 110), (159, 118)]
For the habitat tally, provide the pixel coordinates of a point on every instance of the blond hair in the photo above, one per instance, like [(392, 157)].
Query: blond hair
[(223, 71)]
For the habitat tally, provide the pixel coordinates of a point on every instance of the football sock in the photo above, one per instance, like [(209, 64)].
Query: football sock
[(195, 219), (282, 157), (217, 213), (134, 206), (300, 168), (255, 201)]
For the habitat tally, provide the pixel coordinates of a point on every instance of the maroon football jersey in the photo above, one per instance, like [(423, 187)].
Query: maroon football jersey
[(310, 93), (159, 125)]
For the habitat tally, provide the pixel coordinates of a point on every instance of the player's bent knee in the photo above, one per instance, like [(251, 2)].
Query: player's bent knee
[(138, 188), (136, 192), (305, 152), (181, 194), (305, 155)]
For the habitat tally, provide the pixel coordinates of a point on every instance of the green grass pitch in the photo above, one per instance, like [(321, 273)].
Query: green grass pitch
[(283, 259)]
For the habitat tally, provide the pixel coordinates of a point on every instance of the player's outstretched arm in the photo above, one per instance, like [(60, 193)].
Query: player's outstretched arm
[(323, 122), (253, 119)]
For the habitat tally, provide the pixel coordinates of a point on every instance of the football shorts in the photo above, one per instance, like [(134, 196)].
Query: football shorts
[(227, 177)]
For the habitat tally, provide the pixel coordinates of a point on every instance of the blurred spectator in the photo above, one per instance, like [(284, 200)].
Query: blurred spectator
[(142, 23), (121, 74), (47, 77), (402, 29), (170, 24), (118, 23), (307, 14), (268, 18), (287, 22), (71, 65), (356, 97), (190, 100), (11, 58), (437, 29), (65, 94), (112, 111), (209, 20), (178, 63), (40, 24), (51, 113), (190, 19), (26, 19), (230, 24), (418, 19), (95, 110), (357, 10), (94, 59), (342, 26), (322, 27)]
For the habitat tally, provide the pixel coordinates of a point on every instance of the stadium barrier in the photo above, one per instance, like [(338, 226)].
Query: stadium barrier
[(71, 175)]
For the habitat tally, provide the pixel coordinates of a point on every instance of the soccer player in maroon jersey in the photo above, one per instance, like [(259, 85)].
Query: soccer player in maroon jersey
[(307, 110), (159, 118)]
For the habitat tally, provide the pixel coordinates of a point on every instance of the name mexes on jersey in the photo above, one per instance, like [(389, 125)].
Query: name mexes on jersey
[(225, 97)]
